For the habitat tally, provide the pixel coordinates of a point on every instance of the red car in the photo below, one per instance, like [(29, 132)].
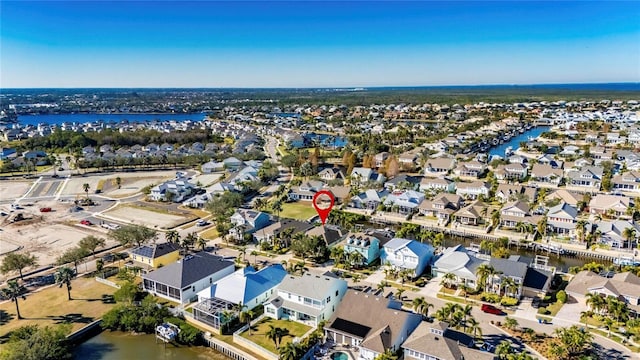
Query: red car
[(45, 209), (86, 222), (491, 309)]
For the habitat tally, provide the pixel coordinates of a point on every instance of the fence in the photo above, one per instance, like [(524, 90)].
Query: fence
[(237, 338), (107, 282), (220, 346)]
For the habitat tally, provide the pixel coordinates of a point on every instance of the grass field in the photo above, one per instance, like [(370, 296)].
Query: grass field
[(298, 210), (90, 300), (259, 331), (210, 234)]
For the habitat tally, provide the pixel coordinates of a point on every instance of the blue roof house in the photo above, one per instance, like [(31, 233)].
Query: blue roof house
[(407, 254), (5, 153), (367, 245), (248, 286)]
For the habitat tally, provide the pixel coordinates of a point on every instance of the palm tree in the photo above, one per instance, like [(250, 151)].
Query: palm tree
[(503, 349), (495, 218), (86, 188), (13, 292), (382, 285), (173, 237), (507, 284), (581, 227), (255, 254), (201, 243), (608, 323), (510, 323), (595, 301), (483, 272), (466, 312), (245, 317), (399, 293), (629, 234), (421, 306), (277, 207), (473, 327), (447, 280), (290, 351), (282, 332), (272, 334), (243, 251), (584, 316), (63, 276)]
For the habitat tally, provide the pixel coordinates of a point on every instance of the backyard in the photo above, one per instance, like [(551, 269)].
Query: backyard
[(259, 332), (90, 300), (298, 210)]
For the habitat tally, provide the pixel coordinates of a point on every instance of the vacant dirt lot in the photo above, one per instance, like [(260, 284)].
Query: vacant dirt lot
[(10, 189), (206, 179), (131, 182), (150, 218)]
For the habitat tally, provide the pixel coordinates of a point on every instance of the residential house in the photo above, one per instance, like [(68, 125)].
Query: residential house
[(612, 233), (546, 174), (510, 192), (368, 200), (308, 299), (380, 158), (441, 207), (511, 268), (408, 160), (361, 176), (516, 212), (437, 184), (473, 214), (156, 255), (176, 190), (629, 181), (404, 202), (181, 281), (402, 182), (438, 166), (271, 232), (232, 163), (549, 160), (610, 204), (246, 286), (512, 171), (368, 246), (435, 341), (470, 169), (473, 190), (7, 153), (570, 197), (330, 174), (408, 255), (212, 166), (589, 177), (306, 191), (329, 233), (247, 222), (624, 285), (459, 262), (562, 219), (353, 324)]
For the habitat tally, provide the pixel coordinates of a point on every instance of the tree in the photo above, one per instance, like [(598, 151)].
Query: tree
[(173, 236), (392, 167), (91, 243), (126, 293), (201, 243), (561, 296), (272, 334), (245, 317), (448, 279), (119, 181), (86, 188), (629, 234), (290, 351), (189, 240), (17, 261), (575, 340), (129, 235), (255, 254), (386, 355), (473, 327), (503, 349), (32, 342), (63, 276), (13, 292), (73, 255), (595, 301), (421, 306), (510, 323)]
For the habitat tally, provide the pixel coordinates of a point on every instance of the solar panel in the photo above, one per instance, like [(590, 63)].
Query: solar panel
[(350, 327)]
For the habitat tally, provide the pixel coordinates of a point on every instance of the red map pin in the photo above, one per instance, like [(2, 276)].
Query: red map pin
[(323, 207)]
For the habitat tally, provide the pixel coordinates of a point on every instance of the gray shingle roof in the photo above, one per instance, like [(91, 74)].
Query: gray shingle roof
[(188, 270)]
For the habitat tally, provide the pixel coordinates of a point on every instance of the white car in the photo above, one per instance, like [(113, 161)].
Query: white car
[(201, 223)]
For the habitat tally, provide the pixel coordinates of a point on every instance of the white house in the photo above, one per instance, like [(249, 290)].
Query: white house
[(182, 280), (307, 299), (407, 254)]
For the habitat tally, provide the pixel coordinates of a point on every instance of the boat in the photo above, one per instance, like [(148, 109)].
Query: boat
[(508, 151)]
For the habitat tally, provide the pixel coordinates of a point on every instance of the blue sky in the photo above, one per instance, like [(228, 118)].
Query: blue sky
[(316, 44)]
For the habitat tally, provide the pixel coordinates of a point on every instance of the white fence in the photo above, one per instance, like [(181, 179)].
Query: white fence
[(107, 282)]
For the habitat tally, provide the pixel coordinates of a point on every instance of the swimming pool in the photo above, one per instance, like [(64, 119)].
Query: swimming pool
[(339, 356)]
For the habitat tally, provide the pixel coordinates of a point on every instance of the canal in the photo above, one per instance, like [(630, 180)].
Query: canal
[(119, 345), (515, 141)]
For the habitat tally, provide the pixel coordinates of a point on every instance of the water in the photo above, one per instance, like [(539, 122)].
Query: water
[(118, 346), (327, 140), (57, 119), (515, 141)]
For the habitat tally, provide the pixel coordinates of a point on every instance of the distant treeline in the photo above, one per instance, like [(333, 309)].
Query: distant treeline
[(71, 141)]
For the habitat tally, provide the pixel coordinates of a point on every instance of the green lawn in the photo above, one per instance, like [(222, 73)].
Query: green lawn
[(259, 331), (298, 210)]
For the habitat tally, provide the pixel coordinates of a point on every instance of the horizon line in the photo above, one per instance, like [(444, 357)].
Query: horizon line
[(335, 87)]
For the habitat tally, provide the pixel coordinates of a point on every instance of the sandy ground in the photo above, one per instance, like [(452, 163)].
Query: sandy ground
[(140, 180), (10, 190), (206, 179), (46, 235), (132, 186), (152, 219)]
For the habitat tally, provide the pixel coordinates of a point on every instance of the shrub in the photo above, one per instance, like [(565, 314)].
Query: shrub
[(544, 311), (561, 296), (491, 298), (509, 301), (421, 282)]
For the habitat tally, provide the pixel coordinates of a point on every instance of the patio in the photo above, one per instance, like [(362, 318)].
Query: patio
[(329, 350)]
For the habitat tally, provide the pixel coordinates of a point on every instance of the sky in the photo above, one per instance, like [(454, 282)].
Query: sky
[(316, 44)]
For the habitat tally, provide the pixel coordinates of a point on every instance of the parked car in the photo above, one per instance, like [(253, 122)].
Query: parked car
[(108, 258), (490, 309), (535, 303), (201, 223), (45, 209), (86, 222)]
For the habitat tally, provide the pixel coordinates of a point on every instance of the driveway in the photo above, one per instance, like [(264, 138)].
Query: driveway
[(571, 310)]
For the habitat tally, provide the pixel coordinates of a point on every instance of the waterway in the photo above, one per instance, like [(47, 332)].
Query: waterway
[(118, 346), (515, 141), (57, 119)]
